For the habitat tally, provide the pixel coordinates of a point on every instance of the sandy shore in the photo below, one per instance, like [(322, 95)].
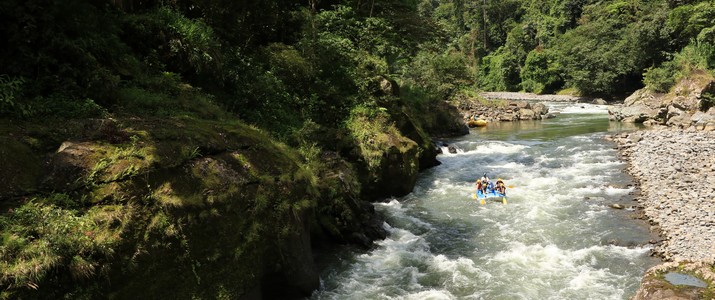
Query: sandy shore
[(676, 172)]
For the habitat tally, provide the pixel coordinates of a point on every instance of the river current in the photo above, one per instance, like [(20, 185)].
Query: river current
[(556, 238)]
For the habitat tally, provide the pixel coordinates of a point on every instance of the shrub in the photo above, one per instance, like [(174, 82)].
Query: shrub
[(541, 72), (660, 79), (499, 71), (10, 90)]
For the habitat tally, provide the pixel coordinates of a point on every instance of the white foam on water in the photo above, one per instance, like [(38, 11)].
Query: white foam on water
[(613, 191), (542, 183), (496, 147), (396, 210), (445, 151), (458, 273), (507, 166), (583, 108), (540, 266), (539, 213), (429, 295)]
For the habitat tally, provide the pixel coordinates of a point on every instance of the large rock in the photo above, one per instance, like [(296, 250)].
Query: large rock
[(654, 286), (500, 110), (163, 216), (539, 109), (681, 107), (526, 114), (677, 117), (637, 113)]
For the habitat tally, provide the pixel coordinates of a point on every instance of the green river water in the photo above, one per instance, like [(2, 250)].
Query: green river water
[(557, 238)]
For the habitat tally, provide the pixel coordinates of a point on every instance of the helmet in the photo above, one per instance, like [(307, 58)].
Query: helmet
[(499, 179)]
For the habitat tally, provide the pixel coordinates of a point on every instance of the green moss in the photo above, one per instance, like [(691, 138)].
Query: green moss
[(373, 133), (21, 167), (161, 210)]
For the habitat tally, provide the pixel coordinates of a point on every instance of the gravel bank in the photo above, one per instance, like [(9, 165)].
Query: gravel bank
[(534, 97), (676, 171)]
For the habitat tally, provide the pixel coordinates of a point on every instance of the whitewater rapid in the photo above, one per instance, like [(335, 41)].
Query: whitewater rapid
[(557, 238)]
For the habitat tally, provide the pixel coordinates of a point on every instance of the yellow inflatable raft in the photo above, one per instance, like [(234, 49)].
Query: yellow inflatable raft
[(477, 123)]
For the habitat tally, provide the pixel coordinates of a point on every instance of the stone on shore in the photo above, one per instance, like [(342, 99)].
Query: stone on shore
[(676, 171)]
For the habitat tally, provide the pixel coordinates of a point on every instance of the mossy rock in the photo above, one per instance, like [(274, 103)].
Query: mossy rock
[(21, 168), (187, 199)]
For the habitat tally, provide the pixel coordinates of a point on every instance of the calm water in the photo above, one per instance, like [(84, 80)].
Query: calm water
[(555, 239)]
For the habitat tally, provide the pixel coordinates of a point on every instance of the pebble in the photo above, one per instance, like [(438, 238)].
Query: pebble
[(673, 168)]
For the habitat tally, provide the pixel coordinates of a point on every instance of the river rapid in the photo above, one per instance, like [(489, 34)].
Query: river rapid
[(556, 238)]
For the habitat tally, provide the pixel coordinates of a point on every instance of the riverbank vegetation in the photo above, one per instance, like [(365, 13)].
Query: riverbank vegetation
[(600, 48), (133, 130)]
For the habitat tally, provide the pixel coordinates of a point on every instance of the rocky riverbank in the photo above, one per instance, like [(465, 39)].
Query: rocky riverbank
[(676, 172), (500, 110), (689, 103), (516, 96)]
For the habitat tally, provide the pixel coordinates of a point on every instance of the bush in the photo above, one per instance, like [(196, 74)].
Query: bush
[(499, 71), (541, 72), (10, 90), (660, 79), (440, 75)]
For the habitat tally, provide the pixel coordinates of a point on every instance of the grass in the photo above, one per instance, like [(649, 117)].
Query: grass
[(492, 103), (41, 237), (569, 92)]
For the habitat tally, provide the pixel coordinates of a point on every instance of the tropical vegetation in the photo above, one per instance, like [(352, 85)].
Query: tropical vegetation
[(339, 93)]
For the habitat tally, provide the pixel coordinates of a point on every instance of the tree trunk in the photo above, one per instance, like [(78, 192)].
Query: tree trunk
[(484, 24)]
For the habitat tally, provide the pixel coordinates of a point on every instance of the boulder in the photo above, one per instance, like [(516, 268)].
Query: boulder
[(677, 117), (539, 109), (637, 113), (526, 114), (655, 286), (389, 87), (678, 108), (523, 105)]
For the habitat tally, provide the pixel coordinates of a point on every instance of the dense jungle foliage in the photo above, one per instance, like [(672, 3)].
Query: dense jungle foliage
[(285, 65)]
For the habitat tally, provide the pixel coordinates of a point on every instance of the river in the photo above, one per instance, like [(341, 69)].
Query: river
[(556, 238)]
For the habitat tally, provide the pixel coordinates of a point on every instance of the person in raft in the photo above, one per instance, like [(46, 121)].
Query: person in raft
[(501, 188), (483, 183)]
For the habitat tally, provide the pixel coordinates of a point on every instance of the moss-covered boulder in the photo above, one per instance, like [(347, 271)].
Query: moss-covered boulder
[(183, 208), (388, 161)]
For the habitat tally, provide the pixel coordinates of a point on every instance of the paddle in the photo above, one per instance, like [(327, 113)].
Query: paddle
[(503, 200)]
